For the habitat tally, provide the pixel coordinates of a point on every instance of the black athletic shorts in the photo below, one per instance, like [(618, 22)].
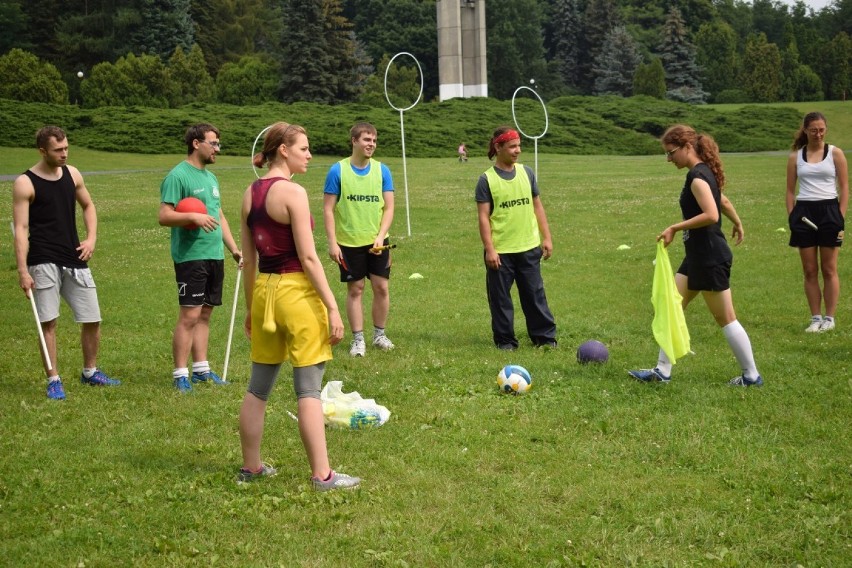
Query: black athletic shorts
[(716, 278), (825, 215), (359, 263), (199, 282)]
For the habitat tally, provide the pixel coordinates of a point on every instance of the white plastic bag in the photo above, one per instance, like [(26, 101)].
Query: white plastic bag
[(349, 410)]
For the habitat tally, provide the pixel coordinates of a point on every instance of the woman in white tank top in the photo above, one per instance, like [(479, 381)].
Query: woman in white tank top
[(817, 215)]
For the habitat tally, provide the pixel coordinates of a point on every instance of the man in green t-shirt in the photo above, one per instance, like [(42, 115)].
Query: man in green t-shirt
[(197, 251)]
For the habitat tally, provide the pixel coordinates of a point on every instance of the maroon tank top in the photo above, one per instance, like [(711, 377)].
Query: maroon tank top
[(274, 241)]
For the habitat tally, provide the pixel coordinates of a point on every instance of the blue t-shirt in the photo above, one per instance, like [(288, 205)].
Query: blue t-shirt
[(332, 179)]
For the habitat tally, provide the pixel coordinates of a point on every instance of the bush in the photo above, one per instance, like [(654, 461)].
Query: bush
[(577, 125), (732, 96), (24, 77)]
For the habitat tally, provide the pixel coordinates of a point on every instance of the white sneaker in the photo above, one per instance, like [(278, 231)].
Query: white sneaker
[(382, 342), (358, 348), (826, 325), (816, 324)]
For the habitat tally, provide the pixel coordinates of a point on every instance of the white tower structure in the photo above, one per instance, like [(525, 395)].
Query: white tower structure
[(462, 68)]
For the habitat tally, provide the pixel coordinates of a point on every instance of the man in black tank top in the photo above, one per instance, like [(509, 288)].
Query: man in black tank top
[(51, 259)]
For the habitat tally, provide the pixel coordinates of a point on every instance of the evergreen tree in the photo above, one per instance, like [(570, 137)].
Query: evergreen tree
[(716, 55), (165, 25), (306, 70), (388, 28), (13, 25), (836, 67), (566, 26), (678, 57), (616, 64), (190, 81), (761, 72), (226, 30), (650, 80), (347, 66), (515, 48), (599, 18)]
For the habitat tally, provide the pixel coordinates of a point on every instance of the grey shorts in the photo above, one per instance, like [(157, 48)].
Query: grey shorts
[(76, 285)]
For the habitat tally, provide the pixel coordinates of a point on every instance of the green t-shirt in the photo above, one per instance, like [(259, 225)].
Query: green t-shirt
[(185, 180)]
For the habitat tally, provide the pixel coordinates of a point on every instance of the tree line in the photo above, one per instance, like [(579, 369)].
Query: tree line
[(168, 53)]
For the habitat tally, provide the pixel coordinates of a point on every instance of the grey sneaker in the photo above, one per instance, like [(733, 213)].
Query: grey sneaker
[(247, 476), (816, 324), (649, 375), (382, 342), (336, 481), (358, 348)]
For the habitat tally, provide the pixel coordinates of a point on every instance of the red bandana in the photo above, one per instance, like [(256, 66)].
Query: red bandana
[(506, 136)]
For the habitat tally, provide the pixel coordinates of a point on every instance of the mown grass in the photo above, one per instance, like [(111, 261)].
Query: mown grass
[(590, 468)]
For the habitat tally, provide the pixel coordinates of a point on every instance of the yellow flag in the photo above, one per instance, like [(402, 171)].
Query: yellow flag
[(669, 324)]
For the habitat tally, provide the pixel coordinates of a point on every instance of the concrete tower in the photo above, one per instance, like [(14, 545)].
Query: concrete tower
[(462, 69)]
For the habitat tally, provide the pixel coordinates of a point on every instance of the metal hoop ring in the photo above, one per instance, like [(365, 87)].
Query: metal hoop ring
[(253, 146), (419, 69), (515, 118)]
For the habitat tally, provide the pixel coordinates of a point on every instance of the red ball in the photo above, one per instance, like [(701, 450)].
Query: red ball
[(191, 205)]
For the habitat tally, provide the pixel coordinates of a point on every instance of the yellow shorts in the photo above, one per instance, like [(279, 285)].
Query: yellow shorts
[(288, 321)]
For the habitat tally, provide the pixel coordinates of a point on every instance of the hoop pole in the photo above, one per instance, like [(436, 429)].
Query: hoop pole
[(404, 170), (402, 125), (518, 126), (31, 297), (231, 328)]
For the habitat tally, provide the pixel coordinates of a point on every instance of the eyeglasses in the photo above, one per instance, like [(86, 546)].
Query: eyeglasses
[(672, 151), (216, 145), (815, 131)]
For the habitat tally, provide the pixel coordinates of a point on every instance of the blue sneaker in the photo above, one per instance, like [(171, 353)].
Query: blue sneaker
[(182, 384), (99, 378), (743, 381), (55, 390), (650, 375), (207, 376)]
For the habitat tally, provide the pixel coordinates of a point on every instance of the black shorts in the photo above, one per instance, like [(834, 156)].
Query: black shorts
[(716, 278), (359, 263), (199, 282), (825, 215)]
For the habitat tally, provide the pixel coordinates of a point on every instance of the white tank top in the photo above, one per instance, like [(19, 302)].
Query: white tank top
[(816, 181)]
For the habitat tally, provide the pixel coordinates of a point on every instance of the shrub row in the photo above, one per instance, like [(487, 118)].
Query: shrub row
[(575, 125)]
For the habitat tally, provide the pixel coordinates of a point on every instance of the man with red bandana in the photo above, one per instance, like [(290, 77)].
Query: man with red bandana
[(516, 237)]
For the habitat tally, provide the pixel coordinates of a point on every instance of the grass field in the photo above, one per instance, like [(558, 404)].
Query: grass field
[(589, 469)]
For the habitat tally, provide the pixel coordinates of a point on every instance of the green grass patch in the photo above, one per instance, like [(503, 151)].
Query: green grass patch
[(589, 468)]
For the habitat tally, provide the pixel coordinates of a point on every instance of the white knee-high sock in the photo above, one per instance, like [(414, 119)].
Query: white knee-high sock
[(663, 364), (741, 346)]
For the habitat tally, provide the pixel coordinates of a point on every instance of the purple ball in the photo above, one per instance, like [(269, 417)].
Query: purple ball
[(592, 351)]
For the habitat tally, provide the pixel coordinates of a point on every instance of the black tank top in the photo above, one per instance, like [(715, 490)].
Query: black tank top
[(705, 246), (53, 226)]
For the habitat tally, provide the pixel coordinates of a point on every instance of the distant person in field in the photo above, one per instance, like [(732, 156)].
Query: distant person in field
[(706, 269), (197, 251), (358, 211), (823, 178), (516, 237), (291, 313), (52, 261), (462, 152)]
